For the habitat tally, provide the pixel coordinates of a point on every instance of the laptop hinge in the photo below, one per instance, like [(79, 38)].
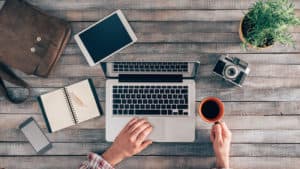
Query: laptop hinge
[(149, 78)]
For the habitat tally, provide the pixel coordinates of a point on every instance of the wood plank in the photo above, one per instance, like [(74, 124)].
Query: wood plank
[(172, 27), (205, 59), (183, 48), (202, 136), (151, 162), (225, 94), (202, 82), (257, 70), (240, 94), (17, 119), (153, 15), (231, 108), (234, 122), (205, 163), (168, 149), (144, 4), (178, 26), (195, 37)]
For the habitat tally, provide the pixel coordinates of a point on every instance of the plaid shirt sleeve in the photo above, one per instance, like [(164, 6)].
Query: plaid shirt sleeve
[(95, 162)]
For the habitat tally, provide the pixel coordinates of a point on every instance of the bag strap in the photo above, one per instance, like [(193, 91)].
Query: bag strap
[(7, 74)]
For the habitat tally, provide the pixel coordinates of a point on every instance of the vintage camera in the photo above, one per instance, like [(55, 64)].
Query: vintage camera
[(232, 69)]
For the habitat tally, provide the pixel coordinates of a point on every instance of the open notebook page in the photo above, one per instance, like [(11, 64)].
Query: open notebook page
[(83, 101), (57, 110)]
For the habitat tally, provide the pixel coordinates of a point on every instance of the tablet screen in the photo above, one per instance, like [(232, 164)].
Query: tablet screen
[(105, 38)]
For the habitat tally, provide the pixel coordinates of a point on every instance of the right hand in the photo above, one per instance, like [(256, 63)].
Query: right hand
[(130, 141), (220, 136)]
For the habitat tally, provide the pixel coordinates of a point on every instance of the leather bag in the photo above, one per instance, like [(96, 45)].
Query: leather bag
[(30, 41)]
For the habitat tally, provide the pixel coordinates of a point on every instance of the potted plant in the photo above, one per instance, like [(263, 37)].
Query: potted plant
[(267, 22)]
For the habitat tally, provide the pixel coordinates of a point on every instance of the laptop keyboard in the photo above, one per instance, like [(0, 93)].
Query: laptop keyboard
[(150, 100), (150, 66)]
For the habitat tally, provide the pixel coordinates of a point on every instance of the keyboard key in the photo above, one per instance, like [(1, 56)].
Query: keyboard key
[(180, 112), (184, 91), (149, 112), (116, 101), (116, 96), (183, 106)]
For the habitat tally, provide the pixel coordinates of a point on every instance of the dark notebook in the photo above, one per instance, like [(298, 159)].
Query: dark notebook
[(70, 105)]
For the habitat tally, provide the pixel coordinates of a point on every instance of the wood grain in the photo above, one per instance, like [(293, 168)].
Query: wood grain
[(165, 149), (202, 136), (178, 26), (205, 59), (79, 72), (190, 48), (231, 108), (234, 122), (226, 94), (155, 15), (144, 4), (263, 115), (151, 162)]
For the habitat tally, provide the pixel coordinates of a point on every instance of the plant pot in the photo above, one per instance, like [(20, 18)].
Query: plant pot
[(243, 39)]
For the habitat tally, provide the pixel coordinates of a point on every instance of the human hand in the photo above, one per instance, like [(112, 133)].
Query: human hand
[(130, 141), (220, 136)]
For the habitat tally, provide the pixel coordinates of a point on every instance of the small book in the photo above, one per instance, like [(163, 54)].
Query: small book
[(70, 105)]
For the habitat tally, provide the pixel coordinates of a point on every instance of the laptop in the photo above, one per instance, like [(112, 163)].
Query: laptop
[(161, 92)]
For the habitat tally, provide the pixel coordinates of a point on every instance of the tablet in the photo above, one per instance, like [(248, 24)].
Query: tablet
[(105, 38)]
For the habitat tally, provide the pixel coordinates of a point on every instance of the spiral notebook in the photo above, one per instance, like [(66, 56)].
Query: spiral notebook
[(70, 105)]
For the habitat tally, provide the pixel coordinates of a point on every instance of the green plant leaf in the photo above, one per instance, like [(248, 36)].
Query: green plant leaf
[(268, 21)]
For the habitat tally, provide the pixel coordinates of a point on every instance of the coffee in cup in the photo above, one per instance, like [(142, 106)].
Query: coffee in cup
[(211, 109)]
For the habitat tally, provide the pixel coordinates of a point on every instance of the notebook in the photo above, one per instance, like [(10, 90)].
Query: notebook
[(70, 105)]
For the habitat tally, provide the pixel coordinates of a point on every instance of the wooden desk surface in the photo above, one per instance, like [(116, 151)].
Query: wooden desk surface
[(263, 115)]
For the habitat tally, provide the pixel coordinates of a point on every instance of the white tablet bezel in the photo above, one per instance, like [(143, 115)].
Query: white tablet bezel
[(85, 51)]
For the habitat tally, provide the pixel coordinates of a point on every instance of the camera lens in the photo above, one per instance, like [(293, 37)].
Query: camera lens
[(231, 72)]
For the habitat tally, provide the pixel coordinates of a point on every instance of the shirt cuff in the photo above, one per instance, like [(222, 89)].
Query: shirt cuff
[(95, 162)]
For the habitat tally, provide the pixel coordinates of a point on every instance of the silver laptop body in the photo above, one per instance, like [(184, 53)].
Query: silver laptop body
[(161, 92)]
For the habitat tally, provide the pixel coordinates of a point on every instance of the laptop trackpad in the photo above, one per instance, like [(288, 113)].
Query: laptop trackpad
[(172, 129), (159, 128)]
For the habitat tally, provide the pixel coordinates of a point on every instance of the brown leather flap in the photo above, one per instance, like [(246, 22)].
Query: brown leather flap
[(31, 41)]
